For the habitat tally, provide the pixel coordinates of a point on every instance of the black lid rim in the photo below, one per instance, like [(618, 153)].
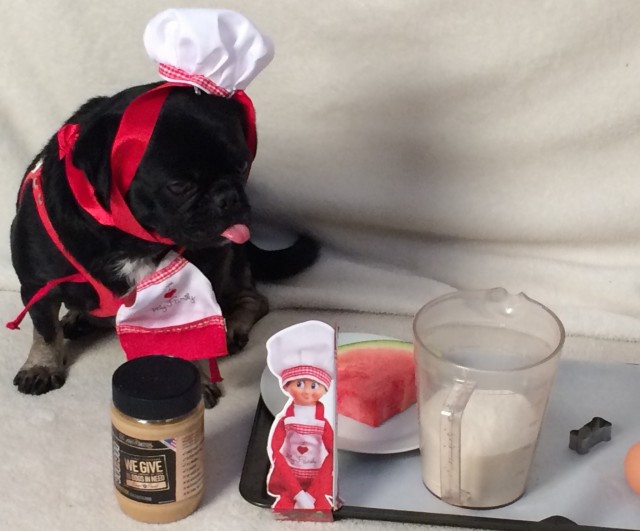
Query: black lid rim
[(156, 388)]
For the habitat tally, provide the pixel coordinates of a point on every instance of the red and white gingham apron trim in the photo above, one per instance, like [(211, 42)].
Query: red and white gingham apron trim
[(306, 371), (173, 73), (163, 274), (215, 320), (304, 429), (305, 473)]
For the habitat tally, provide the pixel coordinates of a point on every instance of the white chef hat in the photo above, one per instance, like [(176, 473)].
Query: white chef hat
[(217, 50), (305, 350)]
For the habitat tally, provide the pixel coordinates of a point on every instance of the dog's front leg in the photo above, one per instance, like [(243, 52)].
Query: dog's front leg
[(211, 391), (241, 312), (45, 368)]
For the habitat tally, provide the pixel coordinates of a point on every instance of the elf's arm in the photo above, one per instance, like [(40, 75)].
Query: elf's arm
[(322, 484)]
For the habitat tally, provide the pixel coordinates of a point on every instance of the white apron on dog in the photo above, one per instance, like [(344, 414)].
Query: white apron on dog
[(175, 313)]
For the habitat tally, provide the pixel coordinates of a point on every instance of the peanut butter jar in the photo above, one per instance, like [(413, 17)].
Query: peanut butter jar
[(157, 417)]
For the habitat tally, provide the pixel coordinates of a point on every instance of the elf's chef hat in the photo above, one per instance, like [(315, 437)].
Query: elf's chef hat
[(305, 350), (208, 48)]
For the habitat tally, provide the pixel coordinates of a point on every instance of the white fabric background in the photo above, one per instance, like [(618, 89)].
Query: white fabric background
[(431, 145)]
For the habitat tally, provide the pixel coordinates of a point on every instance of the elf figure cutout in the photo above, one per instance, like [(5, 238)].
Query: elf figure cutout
[(301, 441)]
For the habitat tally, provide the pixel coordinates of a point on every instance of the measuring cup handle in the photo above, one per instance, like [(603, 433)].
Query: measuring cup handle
[(450, 441)]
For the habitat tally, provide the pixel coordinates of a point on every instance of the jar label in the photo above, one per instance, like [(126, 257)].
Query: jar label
[(158, 471)]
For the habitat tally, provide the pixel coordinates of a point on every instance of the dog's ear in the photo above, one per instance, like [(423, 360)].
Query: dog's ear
[(92, 153)]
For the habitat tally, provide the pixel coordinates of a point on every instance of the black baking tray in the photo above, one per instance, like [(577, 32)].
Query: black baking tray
[(256, 468)]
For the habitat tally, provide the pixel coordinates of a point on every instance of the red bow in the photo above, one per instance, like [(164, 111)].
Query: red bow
[(67, 136)]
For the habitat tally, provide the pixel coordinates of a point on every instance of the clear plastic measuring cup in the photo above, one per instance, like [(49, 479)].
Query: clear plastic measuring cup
[(485, 364)]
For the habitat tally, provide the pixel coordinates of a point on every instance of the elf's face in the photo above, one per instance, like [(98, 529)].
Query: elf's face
[(305, 392)]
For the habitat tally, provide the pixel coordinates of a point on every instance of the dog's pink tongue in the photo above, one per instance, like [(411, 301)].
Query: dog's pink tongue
[(237, 233)]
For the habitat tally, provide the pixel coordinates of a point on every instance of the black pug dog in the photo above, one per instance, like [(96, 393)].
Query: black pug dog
[(189, 188)]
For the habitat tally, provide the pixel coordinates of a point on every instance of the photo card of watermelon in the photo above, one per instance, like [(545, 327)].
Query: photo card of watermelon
[(376, 380), (302, 442)]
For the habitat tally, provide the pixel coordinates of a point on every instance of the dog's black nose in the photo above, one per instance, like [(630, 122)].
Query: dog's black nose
[(227, 200)]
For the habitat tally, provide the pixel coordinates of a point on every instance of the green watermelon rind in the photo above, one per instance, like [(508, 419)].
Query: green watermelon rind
[(377, 344)]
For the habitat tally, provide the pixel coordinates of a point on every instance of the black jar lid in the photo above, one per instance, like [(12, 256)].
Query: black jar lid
[(156, 387)]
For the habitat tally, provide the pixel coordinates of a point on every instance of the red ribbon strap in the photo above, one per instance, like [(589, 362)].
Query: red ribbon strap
[(250, 119), (132, 138), (75, 277), (80, 186)]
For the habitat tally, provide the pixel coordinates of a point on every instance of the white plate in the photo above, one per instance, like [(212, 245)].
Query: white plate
[(398, 434)]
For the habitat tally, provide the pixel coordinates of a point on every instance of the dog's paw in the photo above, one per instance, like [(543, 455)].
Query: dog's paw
[(211, 393), (39, 379), (236, 341), (75, 324)]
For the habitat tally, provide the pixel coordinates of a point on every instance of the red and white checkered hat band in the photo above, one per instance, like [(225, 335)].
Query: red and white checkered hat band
[(173, 73), (306, 371)]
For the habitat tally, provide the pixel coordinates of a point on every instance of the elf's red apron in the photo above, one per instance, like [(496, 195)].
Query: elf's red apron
[(299, 448)]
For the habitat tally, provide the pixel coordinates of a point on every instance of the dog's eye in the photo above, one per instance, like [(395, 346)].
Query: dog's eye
[(180, 187)]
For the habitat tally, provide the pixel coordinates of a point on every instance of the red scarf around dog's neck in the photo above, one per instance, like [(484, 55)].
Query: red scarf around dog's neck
[(131, 140)]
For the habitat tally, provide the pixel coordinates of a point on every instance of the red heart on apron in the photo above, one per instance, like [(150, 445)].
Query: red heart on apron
[(170, 293), (302, 450)]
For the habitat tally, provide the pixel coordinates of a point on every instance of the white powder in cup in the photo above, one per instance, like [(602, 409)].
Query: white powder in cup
[(499, 430)]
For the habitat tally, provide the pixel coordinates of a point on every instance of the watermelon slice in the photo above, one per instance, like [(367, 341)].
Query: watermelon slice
[(376, 380)]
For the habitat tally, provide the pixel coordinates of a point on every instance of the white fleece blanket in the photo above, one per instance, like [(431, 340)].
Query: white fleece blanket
[(430, 145)]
